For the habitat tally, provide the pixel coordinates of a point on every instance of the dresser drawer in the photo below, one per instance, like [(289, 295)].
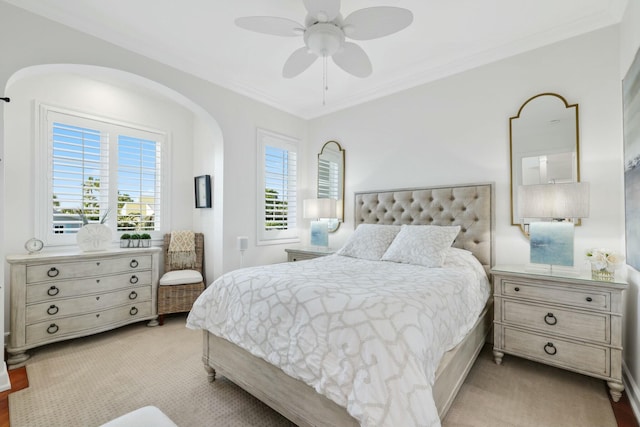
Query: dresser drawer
[(53, 330), (581, 325), (71, 307), (596, 300), (98, 267), (78, 287), (554, 351)]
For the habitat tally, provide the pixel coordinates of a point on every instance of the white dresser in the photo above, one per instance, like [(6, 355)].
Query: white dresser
[(573, 323), (56, 296)]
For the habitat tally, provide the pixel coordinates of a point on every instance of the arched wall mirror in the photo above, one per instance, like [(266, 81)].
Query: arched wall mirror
[(331, 179), (544, 146)]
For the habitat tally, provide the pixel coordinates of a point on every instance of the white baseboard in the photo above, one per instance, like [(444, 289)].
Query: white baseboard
[(633, 392), (5, 383)]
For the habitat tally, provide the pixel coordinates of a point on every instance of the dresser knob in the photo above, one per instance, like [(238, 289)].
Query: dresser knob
[(589, 299), (133, 295), (53, 291), (53, 272), (133, 263), (550, 319), (133, 311), (550, 349), (53, 309), (133, 279), (517, 289), (52, 329)]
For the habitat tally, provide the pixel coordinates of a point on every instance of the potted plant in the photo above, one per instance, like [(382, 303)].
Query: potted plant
[(145, 240), (135, 240), (125, 240)]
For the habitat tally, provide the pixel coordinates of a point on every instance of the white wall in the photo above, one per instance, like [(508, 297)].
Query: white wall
[(44, 42), (629, 45), (456, 130), (79, 93)]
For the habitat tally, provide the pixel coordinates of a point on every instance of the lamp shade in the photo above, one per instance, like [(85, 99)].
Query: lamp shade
[(319, 208), (570, 200)]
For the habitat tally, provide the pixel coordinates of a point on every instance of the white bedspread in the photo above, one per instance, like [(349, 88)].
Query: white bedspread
[(367, 334)]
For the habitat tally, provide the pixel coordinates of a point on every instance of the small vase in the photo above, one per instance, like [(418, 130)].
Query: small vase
[(94, 237), (606, 274)]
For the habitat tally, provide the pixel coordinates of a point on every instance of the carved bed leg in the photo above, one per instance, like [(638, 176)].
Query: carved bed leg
[(211, 373), (497, 355), (615, 390)]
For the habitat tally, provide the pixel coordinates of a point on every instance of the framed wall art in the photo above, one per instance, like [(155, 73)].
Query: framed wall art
[(631, 111), (203, 191)]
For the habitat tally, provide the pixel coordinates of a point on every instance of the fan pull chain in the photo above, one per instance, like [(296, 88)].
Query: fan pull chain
[(325, 80)]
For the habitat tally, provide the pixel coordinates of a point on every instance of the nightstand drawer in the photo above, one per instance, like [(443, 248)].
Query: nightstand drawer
[(575, 324), (594, 300), (582, 357)]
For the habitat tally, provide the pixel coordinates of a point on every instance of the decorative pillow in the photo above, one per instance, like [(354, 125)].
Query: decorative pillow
[(421, 244), (369, 241)]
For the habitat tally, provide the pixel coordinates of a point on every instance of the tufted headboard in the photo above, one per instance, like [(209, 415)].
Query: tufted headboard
[(471, 206)]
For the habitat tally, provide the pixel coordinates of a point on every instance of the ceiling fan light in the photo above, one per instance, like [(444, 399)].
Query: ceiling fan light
[(324, 39), (349, 30)]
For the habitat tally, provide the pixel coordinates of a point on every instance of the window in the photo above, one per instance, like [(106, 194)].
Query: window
[(277, 188), (97, 170)]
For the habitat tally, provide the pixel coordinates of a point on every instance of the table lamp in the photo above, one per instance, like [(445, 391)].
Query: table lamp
[(554, 207), (317, 210)]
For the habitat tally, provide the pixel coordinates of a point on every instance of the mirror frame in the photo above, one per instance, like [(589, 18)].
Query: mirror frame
[(523, 227), (334, 224)]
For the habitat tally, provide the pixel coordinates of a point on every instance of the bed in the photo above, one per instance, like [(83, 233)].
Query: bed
[(468, 208)]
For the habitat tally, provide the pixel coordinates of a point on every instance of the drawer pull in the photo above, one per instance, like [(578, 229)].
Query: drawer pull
[(589, 299), (52, 329), (133, 279), (53, 309), (133, 263), (133, 295), (550, 319), (53, 291), (133, 311), (517, 289), (53, 272), (550, 349)]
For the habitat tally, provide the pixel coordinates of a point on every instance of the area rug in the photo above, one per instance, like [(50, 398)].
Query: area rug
[(89, 381)]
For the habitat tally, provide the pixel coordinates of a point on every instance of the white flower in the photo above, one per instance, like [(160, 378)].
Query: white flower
[(604, 258)]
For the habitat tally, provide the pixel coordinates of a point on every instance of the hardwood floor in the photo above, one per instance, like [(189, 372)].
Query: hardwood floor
[(622, 409), (19, 381)]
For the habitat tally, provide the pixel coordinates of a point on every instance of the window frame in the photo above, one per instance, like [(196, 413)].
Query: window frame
[(266, 138), (43, 190)]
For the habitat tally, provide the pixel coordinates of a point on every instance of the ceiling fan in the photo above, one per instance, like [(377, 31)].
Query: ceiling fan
[(325, 32)]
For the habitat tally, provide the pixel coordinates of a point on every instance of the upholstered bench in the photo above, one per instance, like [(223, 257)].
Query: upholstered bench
[(148, 416)]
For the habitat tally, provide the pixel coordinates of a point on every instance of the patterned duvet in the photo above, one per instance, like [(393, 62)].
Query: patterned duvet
[(369, 335)]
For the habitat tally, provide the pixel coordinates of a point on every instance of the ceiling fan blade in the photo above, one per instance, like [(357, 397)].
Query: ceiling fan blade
[(323, 10), (299, 61), (373, 22), (272, 25), (353, 59)]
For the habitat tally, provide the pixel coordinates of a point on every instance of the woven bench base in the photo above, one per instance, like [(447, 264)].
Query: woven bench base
[(178, 298)]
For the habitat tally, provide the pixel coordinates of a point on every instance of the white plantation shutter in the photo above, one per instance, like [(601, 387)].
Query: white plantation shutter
[(139, 172), (79, 175), (97, 170), (277, 188)]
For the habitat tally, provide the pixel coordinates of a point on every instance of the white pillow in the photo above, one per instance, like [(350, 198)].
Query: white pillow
[(369, 241), (422, 244)]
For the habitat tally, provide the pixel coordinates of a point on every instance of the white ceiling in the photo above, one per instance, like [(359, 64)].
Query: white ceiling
[(446, 37)]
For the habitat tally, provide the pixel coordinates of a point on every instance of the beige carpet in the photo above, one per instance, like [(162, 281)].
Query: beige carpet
[(88, 381)]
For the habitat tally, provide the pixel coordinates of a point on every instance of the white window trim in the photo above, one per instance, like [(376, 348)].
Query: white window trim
[(274, 237), (42, 171)]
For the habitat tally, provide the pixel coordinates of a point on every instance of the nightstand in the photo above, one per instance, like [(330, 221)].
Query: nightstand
[(574, 323), (299, 254)]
